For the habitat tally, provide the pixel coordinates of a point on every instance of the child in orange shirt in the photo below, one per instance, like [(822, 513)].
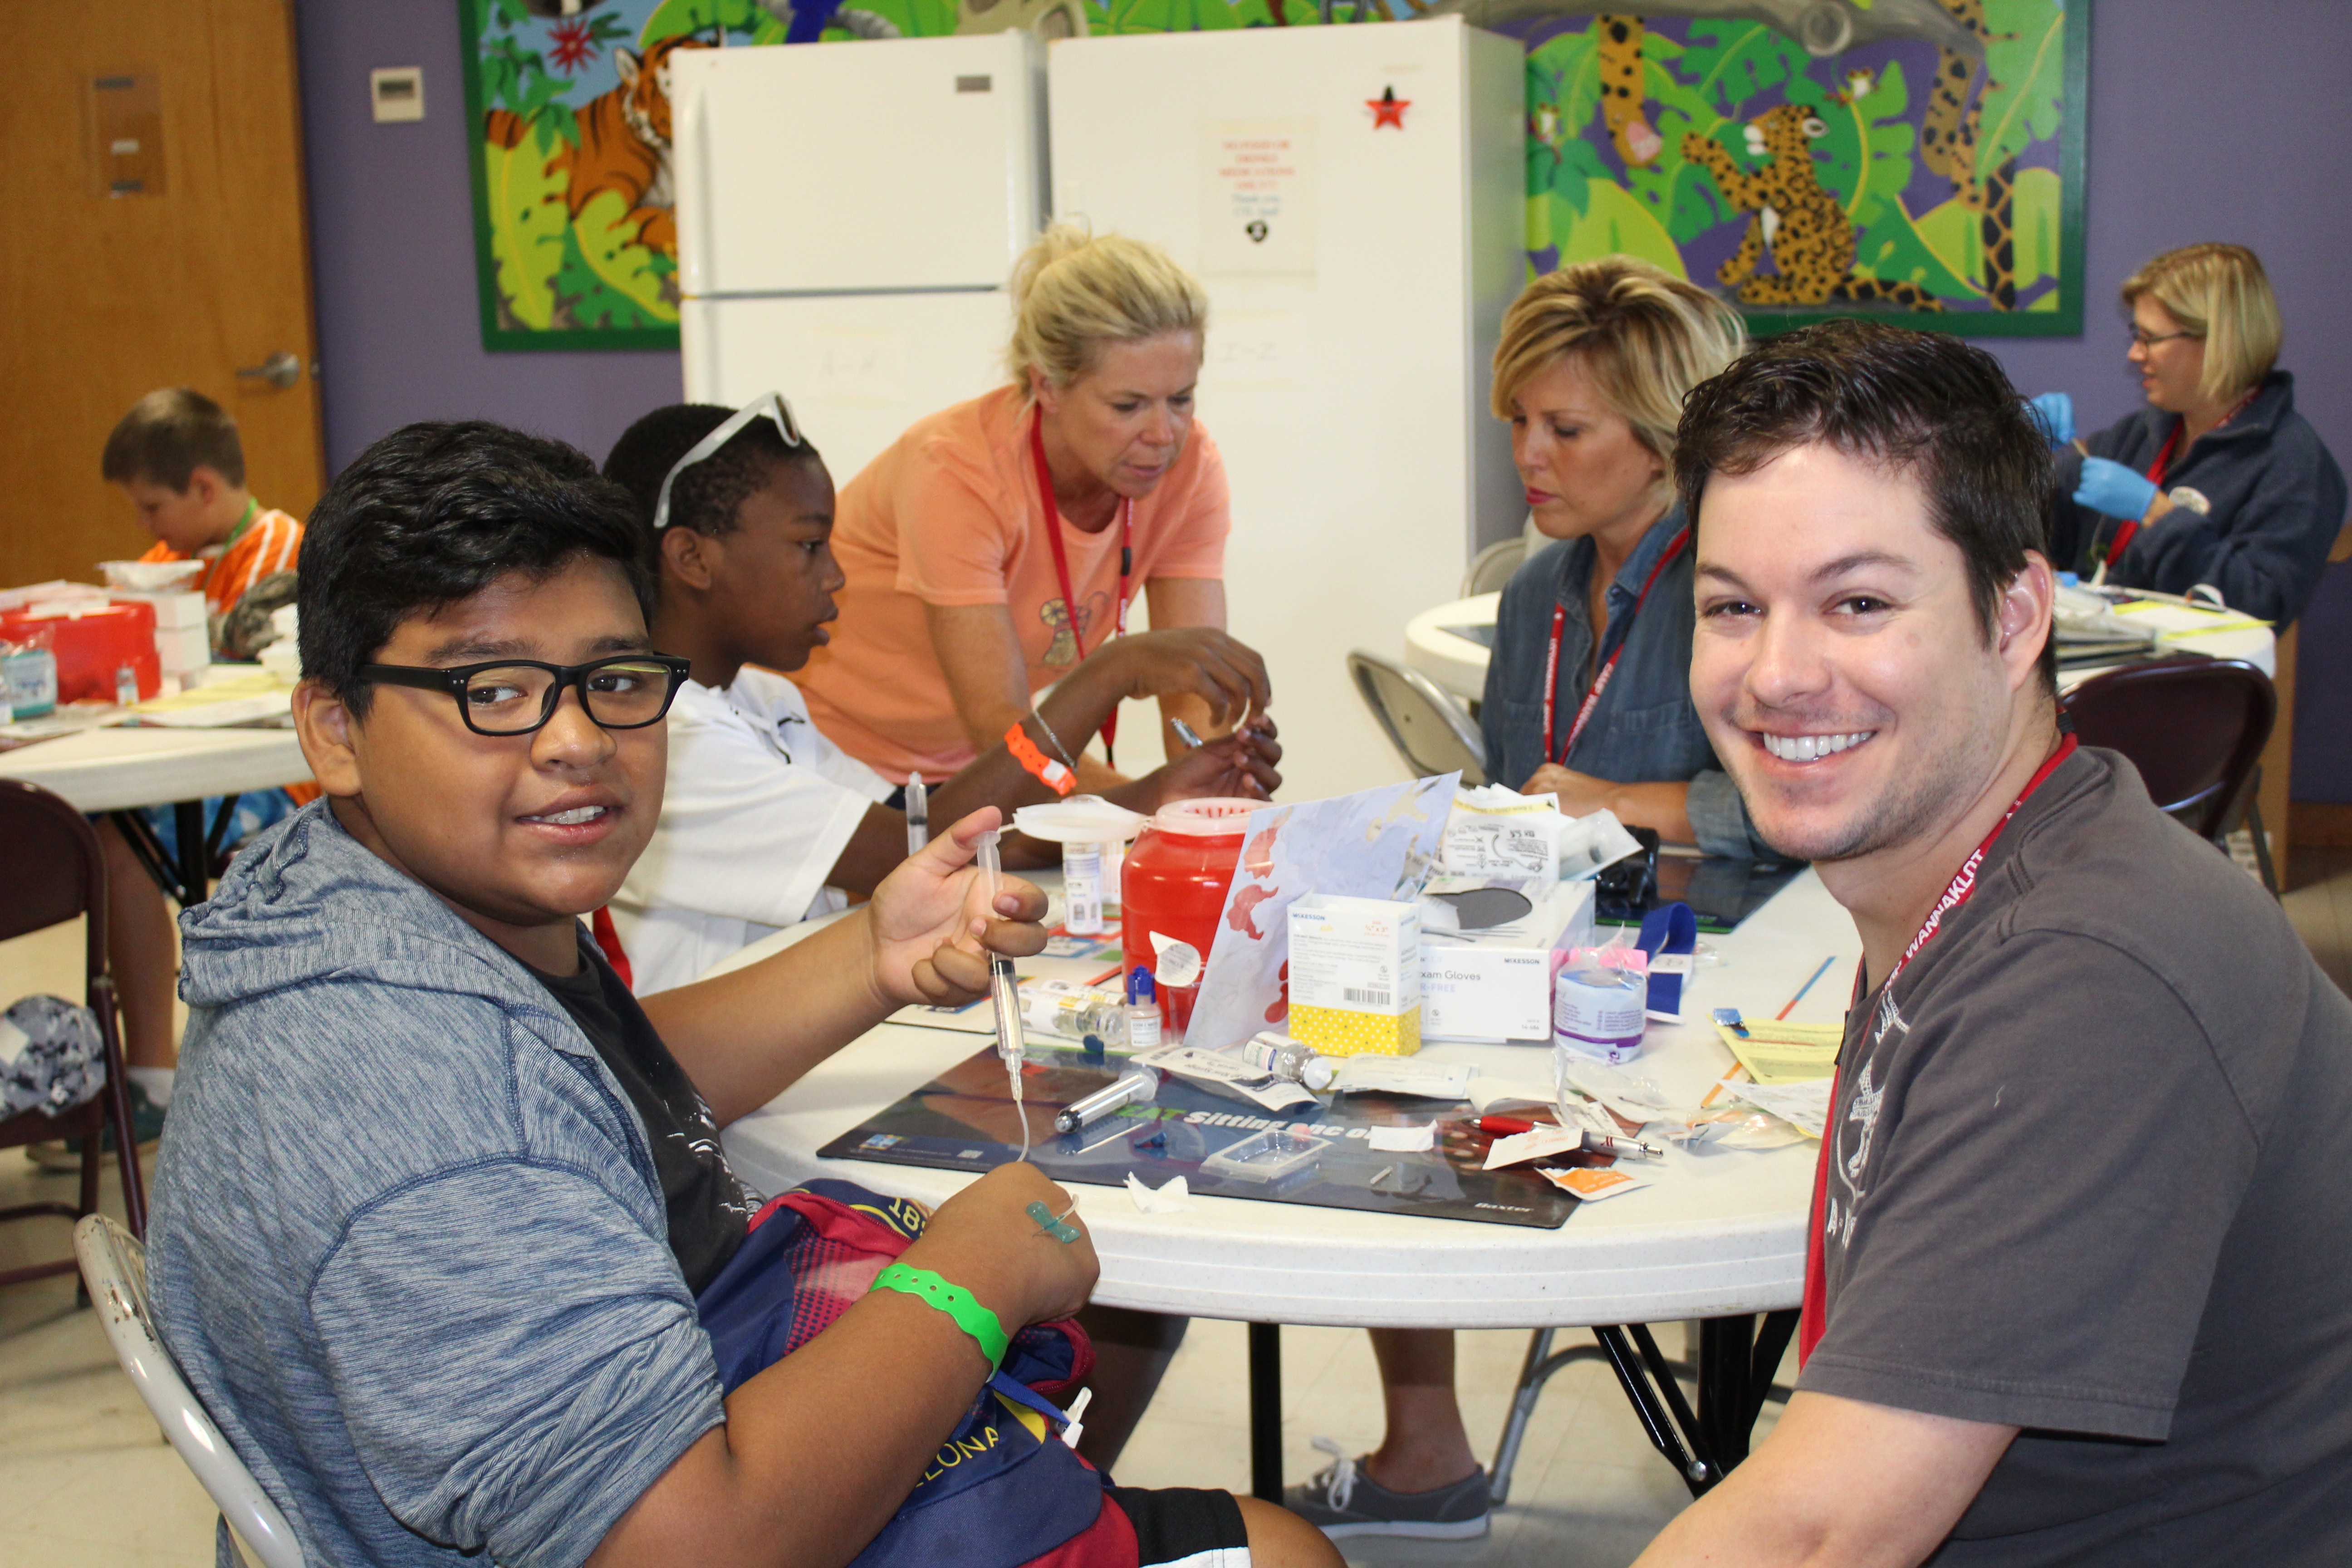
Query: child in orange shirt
[(177, 457)]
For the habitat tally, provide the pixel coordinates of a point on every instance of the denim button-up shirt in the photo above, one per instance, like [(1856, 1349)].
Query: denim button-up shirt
[(1644, 729)]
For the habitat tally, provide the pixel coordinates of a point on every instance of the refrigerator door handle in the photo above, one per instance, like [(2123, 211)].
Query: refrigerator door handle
[(694, 272)]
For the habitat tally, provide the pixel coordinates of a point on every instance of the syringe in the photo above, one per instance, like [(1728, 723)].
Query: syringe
[(1003, 988)]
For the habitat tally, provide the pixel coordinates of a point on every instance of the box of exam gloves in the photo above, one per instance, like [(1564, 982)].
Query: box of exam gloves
[(1492, 983), (1355, 975), (1495, 832)]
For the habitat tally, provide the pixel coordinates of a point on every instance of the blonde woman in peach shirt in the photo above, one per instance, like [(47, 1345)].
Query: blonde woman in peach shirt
[(998, 542)]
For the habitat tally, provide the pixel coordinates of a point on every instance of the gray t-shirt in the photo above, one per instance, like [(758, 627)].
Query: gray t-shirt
[(2091, 1176)]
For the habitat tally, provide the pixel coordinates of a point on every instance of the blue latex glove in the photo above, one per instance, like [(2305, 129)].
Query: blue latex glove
[(2054, 412), (2113, 489)]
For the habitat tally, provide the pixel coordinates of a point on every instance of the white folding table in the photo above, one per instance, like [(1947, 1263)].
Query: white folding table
[(120, 770), (1718, 1237)]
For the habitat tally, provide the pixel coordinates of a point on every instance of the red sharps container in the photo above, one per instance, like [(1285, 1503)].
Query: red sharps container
[(1174, 887)]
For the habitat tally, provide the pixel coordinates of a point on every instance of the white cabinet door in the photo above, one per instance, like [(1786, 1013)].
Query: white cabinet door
[(899, 163), (857, 368)]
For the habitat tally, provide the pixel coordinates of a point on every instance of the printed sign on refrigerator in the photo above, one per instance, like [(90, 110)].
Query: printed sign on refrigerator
[(1258, 195)]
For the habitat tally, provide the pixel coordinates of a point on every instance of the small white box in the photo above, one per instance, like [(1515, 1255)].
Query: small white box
[(1355, 975), (175, 611), (1494, 986), (182, 648)]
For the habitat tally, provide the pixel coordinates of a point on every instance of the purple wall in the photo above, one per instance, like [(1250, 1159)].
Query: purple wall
[(392, 243), (2208, 121)]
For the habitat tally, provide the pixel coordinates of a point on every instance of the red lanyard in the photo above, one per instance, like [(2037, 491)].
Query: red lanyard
[(1601, 681), (1957, 891), (1062, 560), (2157, 469)]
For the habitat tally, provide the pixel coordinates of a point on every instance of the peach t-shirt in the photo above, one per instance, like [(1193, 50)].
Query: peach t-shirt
[(949, 514)]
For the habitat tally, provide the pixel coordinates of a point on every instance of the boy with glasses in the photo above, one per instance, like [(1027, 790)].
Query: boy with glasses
[(431, 1220)]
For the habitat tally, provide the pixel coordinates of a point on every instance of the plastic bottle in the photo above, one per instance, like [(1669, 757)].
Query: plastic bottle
[(1142, 1013), (1098, 1018), (1176, 881), (1092, 833), (1598, 1011), (1279, 1054)]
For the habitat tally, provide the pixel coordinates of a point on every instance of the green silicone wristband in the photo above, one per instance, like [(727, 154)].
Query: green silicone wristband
[(954, 1301)]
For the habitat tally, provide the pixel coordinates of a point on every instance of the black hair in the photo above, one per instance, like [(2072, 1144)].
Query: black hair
[(167, 435), (436, 513), (1920, 403), (705, 497)]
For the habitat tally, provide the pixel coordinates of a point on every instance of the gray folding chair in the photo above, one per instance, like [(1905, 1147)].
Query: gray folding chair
[(114, 1266), (1492, 567), (1428, 729)]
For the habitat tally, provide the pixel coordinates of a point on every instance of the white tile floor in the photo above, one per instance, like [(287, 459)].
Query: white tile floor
[(84, 1477)]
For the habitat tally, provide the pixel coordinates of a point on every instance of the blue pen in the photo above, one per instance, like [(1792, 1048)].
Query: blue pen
[(919, 815)]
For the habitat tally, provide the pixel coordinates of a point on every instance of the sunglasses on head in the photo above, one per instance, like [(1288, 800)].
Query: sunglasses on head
[(770, 407)]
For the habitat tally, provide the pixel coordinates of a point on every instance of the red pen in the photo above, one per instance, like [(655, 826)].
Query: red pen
[(1503, 1126)]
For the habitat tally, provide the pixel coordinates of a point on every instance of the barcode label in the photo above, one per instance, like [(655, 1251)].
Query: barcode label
[(1365, 996)]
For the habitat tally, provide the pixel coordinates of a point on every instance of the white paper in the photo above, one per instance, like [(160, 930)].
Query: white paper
[(1520, 1147), (1404, 1139), (1257, 197), (1638, 1100), (1166, 1200), (1803, 1105)]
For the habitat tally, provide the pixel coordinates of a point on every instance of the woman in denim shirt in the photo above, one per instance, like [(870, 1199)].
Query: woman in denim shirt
[(1592, 370)]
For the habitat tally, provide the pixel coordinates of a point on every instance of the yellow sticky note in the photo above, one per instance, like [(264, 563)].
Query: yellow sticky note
[(1786, 1053)]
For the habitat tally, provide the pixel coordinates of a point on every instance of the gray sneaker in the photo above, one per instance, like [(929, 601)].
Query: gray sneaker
[(1344, 1500)]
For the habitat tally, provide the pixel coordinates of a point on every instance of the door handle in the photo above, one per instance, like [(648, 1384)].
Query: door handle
[(280, 369)]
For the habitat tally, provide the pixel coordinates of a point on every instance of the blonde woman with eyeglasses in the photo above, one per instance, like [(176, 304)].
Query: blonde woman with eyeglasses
[(2218, 480)]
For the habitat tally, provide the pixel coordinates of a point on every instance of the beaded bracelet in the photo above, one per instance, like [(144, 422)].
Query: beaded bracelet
[(954, 1301)]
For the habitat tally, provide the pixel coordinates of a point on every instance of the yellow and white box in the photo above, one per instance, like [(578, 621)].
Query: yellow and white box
[(1355, 975)]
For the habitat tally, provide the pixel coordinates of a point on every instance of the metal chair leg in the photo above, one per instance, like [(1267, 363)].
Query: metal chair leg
[(1533, 1372), (2262, 844)]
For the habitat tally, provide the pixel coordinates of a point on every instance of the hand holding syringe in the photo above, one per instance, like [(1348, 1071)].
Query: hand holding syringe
[(1004, 989)]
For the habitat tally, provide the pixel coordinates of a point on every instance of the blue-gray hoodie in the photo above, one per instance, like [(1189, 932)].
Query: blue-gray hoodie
[(408, 1244)]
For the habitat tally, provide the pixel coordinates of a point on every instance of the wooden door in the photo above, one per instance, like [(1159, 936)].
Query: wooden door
[(158, 238)]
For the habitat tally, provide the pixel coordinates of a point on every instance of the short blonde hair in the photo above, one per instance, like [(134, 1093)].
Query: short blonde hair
[(1074, 292), (1647, 337), (2220, 293)]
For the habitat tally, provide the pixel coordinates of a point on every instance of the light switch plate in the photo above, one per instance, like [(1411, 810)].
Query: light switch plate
[(396, 93)]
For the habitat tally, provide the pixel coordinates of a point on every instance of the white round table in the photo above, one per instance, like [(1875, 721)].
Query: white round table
[(1720, 1233), (122, 769), (1435, 644)]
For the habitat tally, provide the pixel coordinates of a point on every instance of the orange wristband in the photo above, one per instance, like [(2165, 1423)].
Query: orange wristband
[(1045, 769)]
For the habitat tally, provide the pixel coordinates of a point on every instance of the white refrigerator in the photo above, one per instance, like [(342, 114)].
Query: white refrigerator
[(1351, 198), (847, 219)]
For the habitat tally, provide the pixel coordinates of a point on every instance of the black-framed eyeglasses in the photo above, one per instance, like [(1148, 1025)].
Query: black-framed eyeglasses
[(519, 696), (2149, 340)]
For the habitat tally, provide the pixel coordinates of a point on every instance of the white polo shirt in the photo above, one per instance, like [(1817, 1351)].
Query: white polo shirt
[(757, 808)]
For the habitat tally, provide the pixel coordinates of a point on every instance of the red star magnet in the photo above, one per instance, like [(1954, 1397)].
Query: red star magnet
[(1388, 109)]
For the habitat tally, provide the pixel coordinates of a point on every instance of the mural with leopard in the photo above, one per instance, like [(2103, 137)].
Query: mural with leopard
[(1947, 144), (1807, 233)]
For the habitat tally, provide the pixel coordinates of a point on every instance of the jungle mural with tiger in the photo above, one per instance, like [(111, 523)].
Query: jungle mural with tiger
[(1920, 159)]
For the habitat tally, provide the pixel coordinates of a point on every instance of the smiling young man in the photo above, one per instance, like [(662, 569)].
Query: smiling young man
[(433, 1216), (2080, 1283)]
